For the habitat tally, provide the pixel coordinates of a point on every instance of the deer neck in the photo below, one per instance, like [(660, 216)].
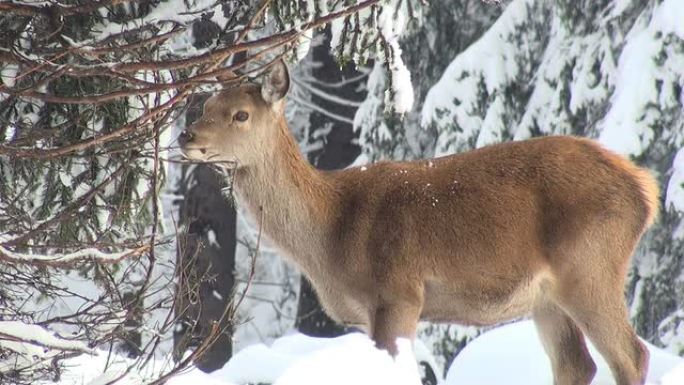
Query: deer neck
[(289, 199)]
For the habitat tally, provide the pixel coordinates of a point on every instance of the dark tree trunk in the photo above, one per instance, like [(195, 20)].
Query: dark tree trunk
[(338, 152), (132, 337), (206, 261)]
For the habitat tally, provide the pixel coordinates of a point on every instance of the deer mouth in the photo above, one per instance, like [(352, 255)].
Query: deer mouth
[(188, 145), (198, 151), (193, 152), (198, 154)]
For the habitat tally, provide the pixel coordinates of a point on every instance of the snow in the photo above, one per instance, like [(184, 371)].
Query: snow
[(624, 130), (107, 378), (674, 197), (303, 45), (17, 332), (637, 86), (490, 62), (627, 127), (671, 331), (242, 369), (299, 359), (217, 295), (66, 178), (10, 131), (668, 17), (336, 29), (211, 238), (402, 90), (493, 126), (354, 362), (513, 355), (391, 22), (365, 116), (99, 370), (8, 74), (585, 55), (495, 70), (158, 14), (89, 253), (510, 354), (618, 7), (586, 87), (674, 377)]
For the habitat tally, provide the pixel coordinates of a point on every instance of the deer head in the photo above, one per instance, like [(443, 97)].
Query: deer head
[(236, 123)]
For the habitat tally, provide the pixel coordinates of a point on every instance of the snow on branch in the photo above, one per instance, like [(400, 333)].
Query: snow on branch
[(62, 259), (20, 332), (401, 89)]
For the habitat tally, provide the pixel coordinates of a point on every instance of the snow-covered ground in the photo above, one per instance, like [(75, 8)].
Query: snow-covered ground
[(513, 355), (510, 354)]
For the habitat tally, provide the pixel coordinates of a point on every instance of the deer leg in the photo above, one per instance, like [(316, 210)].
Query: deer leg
[(564, 344), (591, 272), (615, 339), (392, 322), (396, 314), (603, 319)]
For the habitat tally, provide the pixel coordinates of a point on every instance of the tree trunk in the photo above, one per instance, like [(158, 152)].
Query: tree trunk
[(205, 262)]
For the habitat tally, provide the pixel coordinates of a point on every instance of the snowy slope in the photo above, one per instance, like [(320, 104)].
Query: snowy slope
[(510, 354), (513, 355)]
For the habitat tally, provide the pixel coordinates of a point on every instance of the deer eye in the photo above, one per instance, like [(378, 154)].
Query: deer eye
[(241, 116)]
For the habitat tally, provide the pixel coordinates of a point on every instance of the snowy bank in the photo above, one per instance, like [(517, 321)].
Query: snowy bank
[(510, 354), (513, 355)]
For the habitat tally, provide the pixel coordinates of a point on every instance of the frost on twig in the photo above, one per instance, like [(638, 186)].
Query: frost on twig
[(61, 259)]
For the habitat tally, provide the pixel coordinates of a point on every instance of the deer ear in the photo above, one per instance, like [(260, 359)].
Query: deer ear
[(276, 83)]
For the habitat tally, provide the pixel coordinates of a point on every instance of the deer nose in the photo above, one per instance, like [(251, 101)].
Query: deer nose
[(185, 138)]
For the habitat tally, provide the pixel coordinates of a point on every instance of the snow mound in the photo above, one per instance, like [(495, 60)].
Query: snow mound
[(513, 355), (299, 359)]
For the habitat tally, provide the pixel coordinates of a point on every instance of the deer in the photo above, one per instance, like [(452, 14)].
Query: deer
[(541, 228)]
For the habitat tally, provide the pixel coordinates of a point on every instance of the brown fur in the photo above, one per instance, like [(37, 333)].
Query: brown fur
[(543, 227)]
